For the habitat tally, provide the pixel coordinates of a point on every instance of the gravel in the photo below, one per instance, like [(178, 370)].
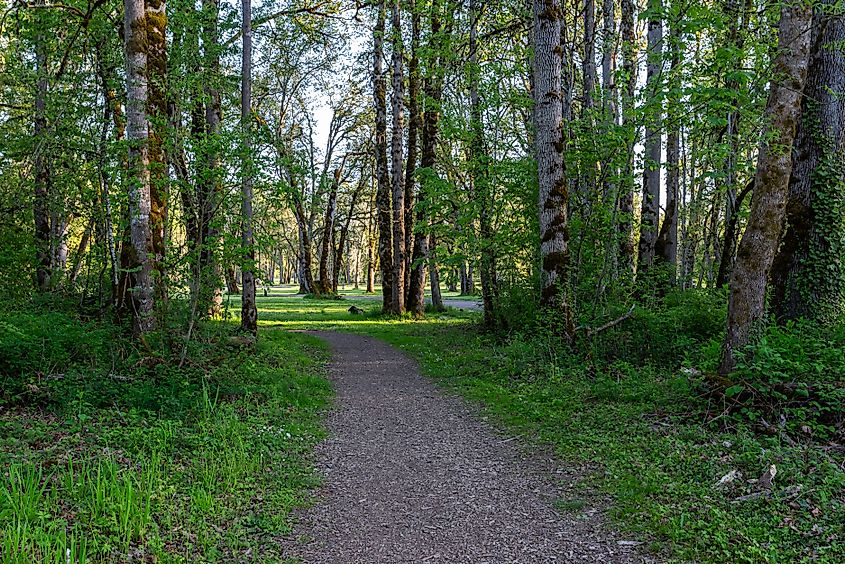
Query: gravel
[(413, 475)]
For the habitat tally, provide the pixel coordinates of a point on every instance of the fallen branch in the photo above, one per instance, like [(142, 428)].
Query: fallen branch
[(590, 332)]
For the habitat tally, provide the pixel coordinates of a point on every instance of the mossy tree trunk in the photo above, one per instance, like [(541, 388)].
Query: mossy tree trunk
[(756, 252)]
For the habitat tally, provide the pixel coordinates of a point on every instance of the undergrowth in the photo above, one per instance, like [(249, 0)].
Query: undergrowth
[(108, 453)]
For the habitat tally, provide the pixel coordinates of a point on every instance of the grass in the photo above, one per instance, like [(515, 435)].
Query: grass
[(107, 464), (641, 436), (205, 462)]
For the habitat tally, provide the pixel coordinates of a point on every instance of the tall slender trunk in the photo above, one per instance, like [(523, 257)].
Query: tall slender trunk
[(249, 310), (478, 175), (625, 221), (41, 202), (650, 213), (397, 299), (550, 142), (414, 126), (738, 22), (666, 246), (156, 71), (774, 166), (383, 192), (137, 135)]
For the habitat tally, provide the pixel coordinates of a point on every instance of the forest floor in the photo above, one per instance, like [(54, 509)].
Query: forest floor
[(110, 453), (412, 475)]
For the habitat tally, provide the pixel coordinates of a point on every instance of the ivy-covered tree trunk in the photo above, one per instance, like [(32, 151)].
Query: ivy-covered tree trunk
[(397, 298), (137, 136), (383, 192), (650, 212), (774, 166), (550, 140), (808, 273)]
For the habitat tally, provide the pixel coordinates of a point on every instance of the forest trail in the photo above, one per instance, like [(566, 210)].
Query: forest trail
[(413, 475)]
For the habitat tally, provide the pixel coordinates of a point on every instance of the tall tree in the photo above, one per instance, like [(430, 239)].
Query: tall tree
[(550, 140), (481, 185), (137, 136), (774, 166), (808, 272), (156, 71), (383, 187), (41, 201), (397, 299), (625, 223), (249, 309), (653, 140), (414, 126)]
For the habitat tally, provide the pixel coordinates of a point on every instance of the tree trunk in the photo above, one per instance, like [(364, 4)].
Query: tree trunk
[(651, 175), (156, 71), (306, 278), (808, 271), (383, 192), (328, 232), (666, 246), (414, 126), (625, 221), (41, 202), (434, 275), (397, 301), (479, 177), (249, 310), (550, 141), (774, 165), (137, 135)]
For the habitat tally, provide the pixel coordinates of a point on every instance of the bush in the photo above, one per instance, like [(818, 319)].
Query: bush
[(795, 376), (35, 347)]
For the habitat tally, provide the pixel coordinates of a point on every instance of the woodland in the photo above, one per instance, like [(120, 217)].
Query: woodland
[(617, 225)]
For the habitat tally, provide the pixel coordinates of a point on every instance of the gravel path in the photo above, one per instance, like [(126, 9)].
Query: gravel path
[(412, 475)]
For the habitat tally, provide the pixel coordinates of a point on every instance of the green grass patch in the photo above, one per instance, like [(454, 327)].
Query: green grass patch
[(114, 456)]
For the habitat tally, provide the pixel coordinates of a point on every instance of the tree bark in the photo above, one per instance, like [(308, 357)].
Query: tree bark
[(651, 175), (625, 222), (156, 72), (328, 232), (397, 299), (137, 135), (383, 192), (550, 142), (774, 166), (249, 309), (414, 126), (808, 271)]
